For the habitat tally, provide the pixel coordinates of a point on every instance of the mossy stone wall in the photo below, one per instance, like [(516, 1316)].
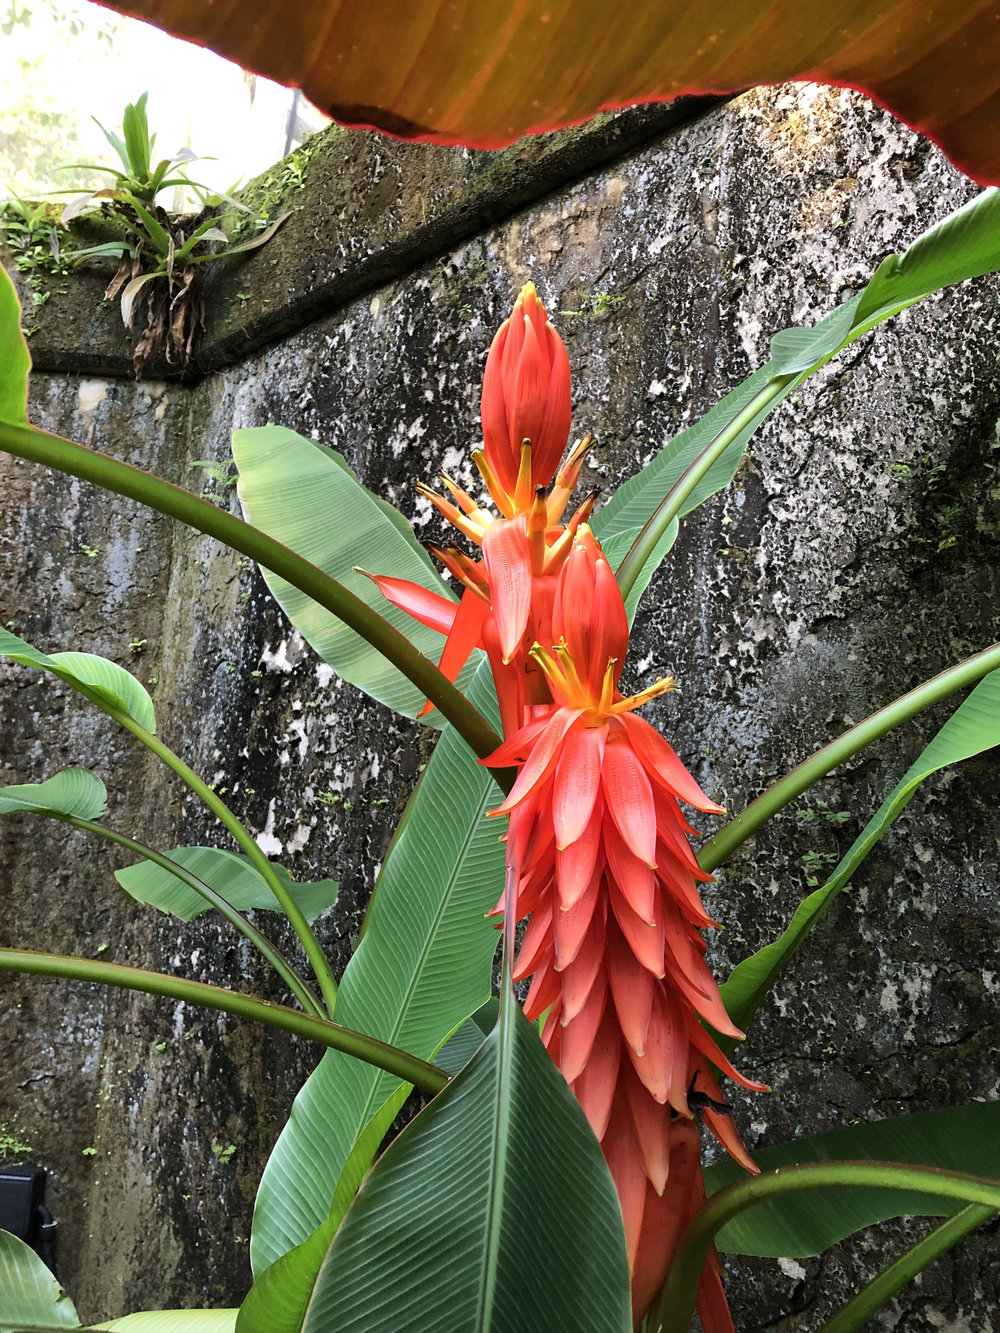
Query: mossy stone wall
[(855, 555)]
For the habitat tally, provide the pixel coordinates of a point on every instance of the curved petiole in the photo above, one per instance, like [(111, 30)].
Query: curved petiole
[(236, 918), (676, 1302), (427, 1077), (719, 848), (113, 475)]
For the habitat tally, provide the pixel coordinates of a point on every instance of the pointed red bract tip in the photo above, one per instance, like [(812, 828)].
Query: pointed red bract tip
[(526, 394)]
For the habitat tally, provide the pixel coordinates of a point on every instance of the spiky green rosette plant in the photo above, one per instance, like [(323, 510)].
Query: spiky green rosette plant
[(161, 257)]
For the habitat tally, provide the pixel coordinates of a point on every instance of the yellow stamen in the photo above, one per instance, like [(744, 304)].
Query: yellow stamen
[(535, 525), (474, 531), (608, 688), (658, 687), (576, 687), (566, 479), (558, 551), (463, 499), (582, 516), (498, 495), (551, 669), (522, 489), (462, 568)]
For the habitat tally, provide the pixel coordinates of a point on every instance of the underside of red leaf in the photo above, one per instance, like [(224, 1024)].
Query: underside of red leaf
[(484, 75)]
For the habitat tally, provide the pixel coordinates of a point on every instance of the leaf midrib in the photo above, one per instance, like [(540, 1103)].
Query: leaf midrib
[(392, 1038)]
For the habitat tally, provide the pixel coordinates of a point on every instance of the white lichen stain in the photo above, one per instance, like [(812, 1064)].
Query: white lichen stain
[(298, 728), (299, 838), (952, 1323), (277, 660), (89, 396), (792, 1269), (266, 840), (889, 1000)]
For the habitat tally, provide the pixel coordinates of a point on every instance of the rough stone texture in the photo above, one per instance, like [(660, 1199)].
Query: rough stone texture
[(855, 555), (374, 210)]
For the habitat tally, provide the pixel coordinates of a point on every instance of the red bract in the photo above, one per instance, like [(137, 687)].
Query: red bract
[(526, 420), (526, 394), (597, 849), (597, 852)]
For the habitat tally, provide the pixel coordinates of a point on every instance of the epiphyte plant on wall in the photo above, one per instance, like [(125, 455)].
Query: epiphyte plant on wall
[(597, 853)]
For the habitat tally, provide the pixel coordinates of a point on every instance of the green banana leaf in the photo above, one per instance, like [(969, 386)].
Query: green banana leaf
[(105, 683), (29, 1295), (421, 968), (74, 791), (956, 1138), (966, 244), (229, 874), (173, 1321), (305, 495), (496, 1188)]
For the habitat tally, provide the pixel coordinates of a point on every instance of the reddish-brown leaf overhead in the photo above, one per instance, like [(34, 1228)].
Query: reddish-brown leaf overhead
[(485, 72)]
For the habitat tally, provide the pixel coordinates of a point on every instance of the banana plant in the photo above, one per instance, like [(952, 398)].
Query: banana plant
[(554, 1177)]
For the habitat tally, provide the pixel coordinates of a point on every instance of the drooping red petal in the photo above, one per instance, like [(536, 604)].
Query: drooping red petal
[(669, 826), (629, 798), (635, 880), (537, 940), (544, 991), (665, 1049), (578, 780), (541, 763), (632, 991), (723, 1129), (430, 608), (576, 865), (508, 679), (537, 879), (552, 1031), (508, 566), (662, 764), (628, 1173), (651, 1123), (570, 925), (645, 940), (595, 1087), (703, 1043), (679, 885), (578, 976), (516, 748), (465, 634), (578, 1034)]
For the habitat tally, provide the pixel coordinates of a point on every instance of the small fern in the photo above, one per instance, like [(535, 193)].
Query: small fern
[(223, 474)]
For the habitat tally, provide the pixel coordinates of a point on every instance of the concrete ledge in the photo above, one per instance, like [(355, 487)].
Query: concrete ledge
[(370, 210)]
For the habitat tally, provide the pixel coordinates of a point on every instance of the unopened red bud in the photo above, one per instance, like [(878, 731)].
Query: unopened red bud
[(526, 394)]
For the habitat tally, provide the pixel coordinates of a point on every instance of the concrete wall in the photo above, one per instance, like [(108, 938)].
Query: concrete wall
[(855, 555)]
